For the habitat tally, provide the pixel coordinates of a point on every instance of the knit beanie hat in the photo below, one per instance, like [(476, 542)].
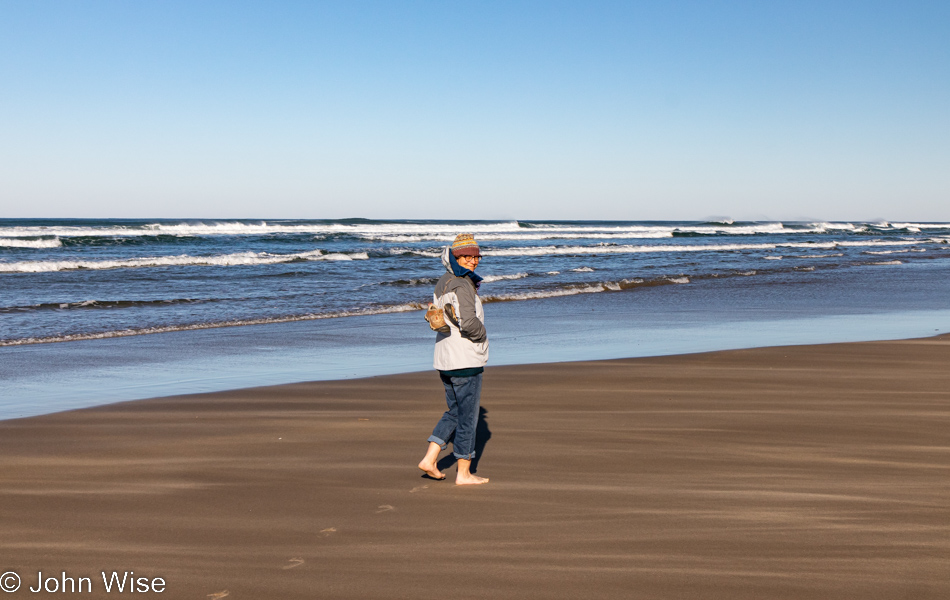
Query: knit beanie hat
[(465, 245)]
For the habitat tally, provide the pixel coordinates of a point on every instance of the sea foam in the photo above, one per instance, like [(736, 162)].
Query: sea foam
[(403, 232), (491, 278), (221, 260), (639, 249), (27, 243)]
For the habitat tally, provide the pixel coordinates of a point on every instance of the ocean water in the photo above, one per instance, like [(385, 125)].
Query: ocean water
[(96, 311)]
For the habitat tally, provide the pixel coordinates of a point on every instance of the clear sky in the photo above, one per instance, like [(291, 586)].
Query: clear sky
[(477, 109)]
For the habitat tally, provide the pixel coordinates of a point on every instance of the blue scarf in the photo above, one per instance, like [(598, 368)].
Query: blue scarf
[(460, 271)]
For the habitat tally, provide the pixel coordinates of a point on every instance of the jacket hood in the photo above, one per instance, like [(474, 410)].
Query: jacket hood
[(452, 266)]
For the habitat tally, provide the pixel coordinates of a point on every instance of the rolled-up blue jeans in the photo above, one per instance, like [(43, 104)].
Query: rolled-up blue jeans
[(462, 396)]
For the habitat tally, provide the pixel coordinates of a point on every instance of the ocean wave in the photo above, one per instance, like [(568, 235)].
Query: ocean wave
[(919, 226), (616, 249), (886, 262), (430, 280), (553, 293), (660, 227), (491, 278), (287, 274), (220, 260), (732, 229), (894, 251), (655, 231), (261, 258), (568, 289), (497, 237), (373, 310), (411, 252), (823, 226), (411, 232), (406, 282), (262, 228), (642, 249), (101, 304), (588, 288), (583, 270), (552, 232), (28, 243), (820, 255), (114, 241)]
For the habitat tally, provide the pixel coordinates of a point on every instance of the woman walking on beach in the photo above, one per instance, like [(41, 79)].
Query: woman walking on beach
[(460, 357)]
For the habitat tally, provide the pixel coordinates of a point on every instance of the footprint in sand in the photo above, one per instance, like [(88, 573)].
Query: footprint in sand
[(294, 562), (217, 595), (385, 508), (418, 488), (328, 531)]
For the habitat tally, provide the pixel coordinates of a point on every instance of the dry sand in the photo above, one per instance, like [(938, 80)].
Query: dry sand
[(804, 472)]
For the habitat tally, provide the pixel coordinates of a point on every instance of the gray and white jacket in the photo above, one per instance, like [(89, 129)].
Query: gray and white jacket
[(465, 346)]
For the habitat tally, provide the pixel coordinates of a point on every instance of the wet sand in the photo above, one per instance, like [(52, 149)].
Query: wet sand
[(802, 472)]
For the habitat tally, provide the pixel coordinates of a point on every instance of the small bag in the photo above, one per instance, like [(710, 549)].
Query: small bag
[(436, 318)]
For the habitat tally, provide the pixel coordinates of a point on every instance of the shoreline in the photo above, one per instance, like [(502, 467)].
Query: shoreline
[(358, 378), (49, 378), (792, 471)]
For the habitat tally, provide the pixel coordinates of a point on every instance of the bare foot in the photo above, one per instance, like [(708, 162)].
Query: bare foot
[(431, 470), (469, 479)]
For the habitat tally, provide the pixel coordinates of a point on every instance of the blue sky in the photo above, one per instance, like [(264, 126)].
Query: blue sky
[(494, 110)]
